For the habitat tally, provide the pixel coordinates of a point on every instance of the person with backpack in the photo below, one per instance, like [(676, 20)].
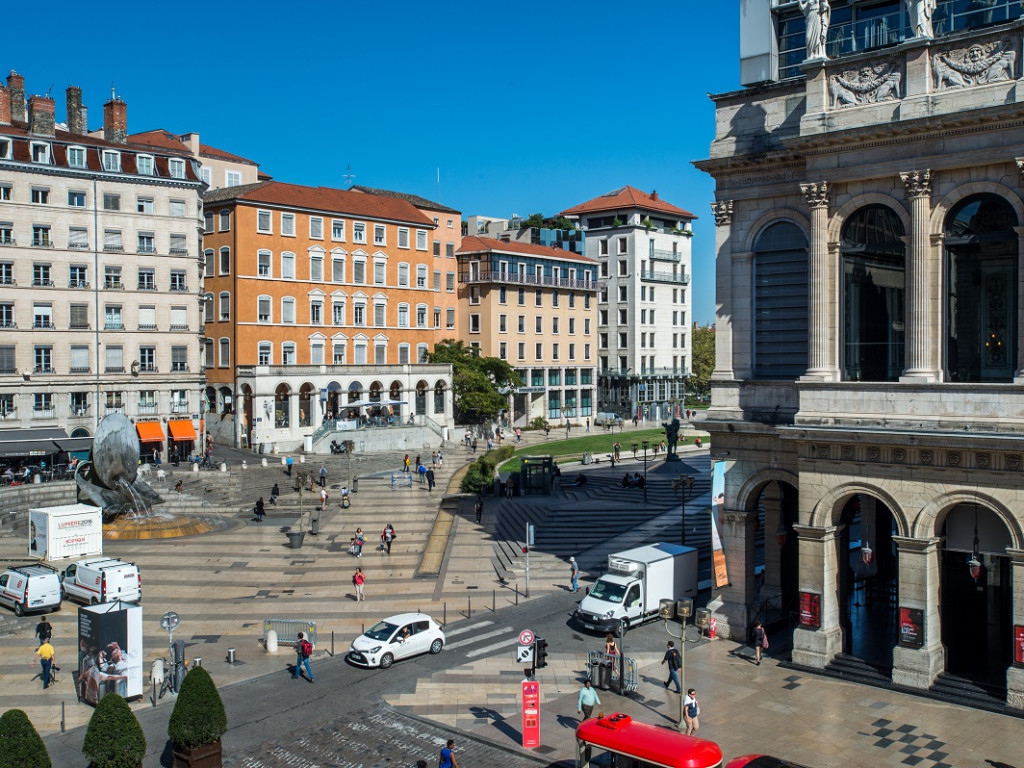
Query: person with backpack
[(387, 537), (674, 663), (358, 580), (303, 650)]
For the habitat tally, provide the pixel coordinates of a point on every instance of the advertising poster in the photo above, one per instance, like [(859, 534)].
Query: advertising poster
[(810, 610), (719, 573), (1018, 645), (69, 531), (109, 651), (911, 627), (531, 714), (37, 528)]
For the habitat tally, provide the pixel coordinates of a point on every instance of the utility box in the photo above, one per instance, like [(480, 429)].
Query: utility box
[(61, 533)]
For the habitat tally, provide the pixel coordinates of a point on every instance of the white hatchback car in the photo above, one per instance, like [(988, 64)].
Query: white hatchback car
[(396, 637)]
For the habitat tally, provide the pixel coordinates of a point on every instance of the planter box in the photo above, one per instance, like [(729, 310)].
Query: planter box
[(206, 756), (295, 539)]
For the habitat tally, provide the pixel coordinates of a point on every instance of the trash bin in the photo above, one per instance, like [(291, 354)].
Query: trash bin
[(588, 458), (602, 674), (355, 485), (314, 522)]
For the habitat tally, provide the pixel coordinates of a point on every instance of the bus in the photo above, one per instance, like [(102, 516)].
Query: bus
[(618, 741), (761, 761)]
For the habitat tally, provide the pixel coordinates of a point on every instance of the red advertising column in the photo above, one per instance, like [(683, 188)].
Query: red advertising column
[(531, 713)]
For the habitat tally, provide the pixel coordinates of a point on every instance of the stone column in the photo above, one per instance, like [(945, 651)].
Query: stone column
[(920, 323), (919, 577), (820, 299), (1015, 675), (1018, 375), (731, 605), (722, 210), (819, 565)]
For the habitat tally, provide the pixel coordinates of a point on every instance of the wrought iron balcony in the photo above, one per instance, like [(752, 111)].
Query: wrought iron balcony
[(660, 255), (510, 278), (654, 276)]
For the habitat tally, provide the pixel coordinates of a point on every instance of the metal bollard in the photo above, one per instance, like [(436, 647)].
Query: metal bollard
[(62, 718), (494, 599), (444, 614), (469, 607), (517, 593), (197, 662), (231, 655)]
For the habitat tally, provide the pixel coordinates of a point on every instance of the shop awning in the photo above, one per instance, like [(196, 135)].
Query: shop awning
[(182, 431), (30, 442), (150, 431), (74, 444)]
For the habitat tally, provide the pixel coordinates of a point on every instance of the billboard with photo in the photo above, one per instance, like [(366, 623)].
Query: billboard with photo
[(719, 572), (109, 651)]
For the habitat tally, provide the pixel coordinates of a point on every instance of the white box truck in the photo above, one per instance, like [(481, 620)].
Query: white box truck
[(59, 533), (101, 580), (637, 581)]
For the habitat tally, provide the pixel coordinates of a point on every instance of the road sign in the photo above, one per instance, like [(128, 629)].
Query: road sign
[(526, 637), (524, 654)]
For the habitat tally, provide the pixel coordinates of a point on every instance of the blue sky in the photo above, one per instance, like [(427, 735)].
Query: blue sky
[(524, 108)]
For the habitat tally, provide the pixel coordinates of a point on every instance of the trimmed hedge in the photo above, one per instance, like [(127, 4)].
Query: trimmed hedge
[(198, 717), (114, 738), (479, 477), (20, 744)]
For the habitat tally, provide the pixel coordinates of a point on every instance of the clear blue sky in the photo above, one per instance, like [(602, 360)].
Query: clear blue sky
[(525, 107)]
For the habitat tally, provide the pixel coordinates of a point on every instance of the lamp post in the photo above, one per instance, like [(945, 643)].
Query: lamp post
[(686, 485), (646, 445), (682, 609)]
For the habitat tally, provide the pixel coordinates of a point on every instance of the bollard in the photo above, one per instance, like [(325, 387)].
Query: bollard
[(244, 464), (444, 614), (517, 593), (469, 607), (332, 643), (62, 718), (195, 468), (223, 467), (272, 641), (231, 655), (264, 462), (494, 599), (197, 662)]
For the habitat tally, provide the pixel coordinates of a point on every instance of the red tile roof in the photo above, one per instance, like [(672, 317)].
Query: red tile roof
[(159, 138), (324, 199), (205, 150), (474, 244), (628, 197)]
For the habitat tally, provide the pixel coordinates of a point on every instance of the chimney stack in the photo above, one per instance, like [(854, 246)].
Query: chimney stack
[(5, 105), (76, 124), (41, 116), (16, 85), (115, 121), (654, 194)]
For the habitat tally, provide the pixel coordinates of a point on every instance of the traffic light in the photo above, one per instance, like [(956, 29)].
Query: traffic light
[(540, 653)]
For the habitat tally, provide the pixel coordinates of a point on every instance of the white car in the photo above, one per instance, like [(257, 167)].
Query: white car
[(396, 637)]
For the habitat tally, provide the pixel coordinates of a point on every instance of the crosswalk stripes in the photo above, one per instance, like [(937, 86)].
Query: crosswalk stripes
[(478, 638), (461, 630)]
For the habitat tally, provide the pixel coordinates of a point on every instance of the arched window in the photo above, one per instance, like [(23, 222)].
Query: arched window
[(307, 397), (780, 302), (264, 309), (403, 275), (208, 262), (224, 312), (403, 354), (981, 298), (422, 350), (439, 398), (403, 315), (282, 406), (873, 257), (287, 266), (264, 264), (208, 353)]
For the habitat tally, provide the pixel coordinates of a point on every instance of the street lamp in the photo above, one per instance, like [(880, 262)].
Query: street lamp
[(681, 609), (646, 445)]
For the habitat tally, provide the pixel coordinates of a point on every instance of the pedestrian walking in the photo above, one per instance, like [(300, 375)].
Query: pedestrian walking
[(433, 459), (760, 641), (288, 465), (674, 663), (588, 425), (447, 758), (610, 646), (44, 631), (509, 487), (259, 510), (360, 540), (567, 425), (387, 537), (474, 445), (440, 459), (519, 435), (547, 429), (324, 496), (691, 712), (323, 476), (586, 700), (303, 650), (47, 657), (466, 438), (274, 493), (490, 445), (574, 575), (430, 480), (406, 462), (358, 579), (479, 507)]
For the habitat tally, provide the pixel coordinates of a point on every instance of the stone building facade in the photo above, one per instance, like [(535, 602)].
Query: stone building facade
[(867, 397)]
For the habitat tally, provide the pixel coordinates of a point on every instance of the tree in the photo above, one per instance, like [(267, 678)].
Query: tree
[(198, 718), (477, 381), (20, 743), (114, 738), (537, 221), (698, 385)]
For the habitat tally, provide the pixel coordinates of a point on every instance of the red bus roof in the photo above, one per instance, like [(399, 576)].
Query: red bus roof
[(655, 744), (761, 761)]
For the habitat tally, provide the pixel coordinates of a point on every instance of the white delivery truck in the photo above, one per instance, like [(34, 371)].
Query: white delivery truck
[(59, 533), (637, 581), (33, 587), (101, 580)]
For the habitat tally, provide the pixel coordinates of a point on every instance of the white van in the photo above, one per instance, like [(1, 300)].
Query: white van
[(101, 580), (34, 587)]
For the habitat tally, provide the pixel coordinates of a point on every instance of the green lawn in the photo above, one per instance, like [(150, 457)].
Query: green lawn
[(598, 443)]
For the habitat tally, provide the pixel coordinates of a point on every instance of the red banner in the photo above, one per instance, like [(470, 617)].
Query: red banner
[(531, 713), (810, 610), (1018, 645)]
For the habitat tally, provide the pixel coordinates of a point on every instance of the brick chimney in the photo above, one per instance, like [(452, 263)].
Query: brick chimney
[(5, 105), (76, 124), (16, 85), (654, 194), (115, 121), (40, 116)]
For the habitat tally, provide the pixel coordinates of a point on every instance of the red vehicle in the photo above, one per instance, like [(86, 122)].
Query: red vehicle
[(761, 761), (620, 742)]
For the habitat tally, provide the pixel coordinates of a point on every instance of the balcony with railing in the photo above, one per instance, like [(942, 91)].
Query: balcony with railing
[(179, 288), (180, 406), (113, 325), (8, 240), (8, 413), (147, 326), (113, 369), (470, 277), (147, 368), (8, 324), (40, 322), (179, 327), (45, 369), (78, 369), (42, 242), (113, 285), (79, 411), (78, 326), (115, 408), (113, 248), (147, 409), (179, 251), (39, 282), (656, 276), (657, 254), (76, 246), (43, 413), (78, 284)]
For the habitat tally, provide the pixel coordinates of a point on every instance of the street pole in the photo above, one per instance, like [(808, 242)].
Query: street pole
[(681, 637), (646, 444), (527, 540)]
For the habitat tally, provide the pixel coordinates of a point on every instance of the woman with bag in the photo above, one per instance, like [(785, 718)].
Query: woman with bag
[(760, 642), (387, 537)]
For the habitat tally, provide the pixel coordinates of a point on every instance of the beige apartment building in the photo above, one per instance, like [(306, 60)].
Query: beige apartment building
[(536, 308), (99, 262)]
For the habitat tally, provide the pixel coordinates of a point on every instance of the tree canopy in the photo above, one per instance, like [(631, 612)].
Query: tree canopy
[(477, 381), (698, 385), (538, 221)]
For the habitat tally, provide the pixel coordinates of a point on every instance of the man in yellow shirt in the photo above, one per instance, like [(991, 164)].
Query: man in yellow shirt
[(46, 656)]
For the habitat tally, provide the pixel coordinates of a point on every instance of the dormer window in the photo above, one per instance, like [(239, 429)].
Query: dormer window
[(176, 168), (76, 157), (144, 164), (111, 160), (40, 152)]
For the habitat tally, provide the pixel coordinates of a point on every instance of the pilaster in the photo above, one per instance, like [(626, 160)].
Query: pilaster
[(820, 298), (731, 606), (819, 565), (1018, 375), (919, 589), (1015, 674), (722, 210)]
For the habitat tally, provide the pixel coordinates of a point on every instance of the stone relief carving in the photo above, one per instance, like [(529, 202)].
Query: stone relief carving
[(983, 460), (815, 194), (722, 209), (898, 456), (927, 458), (917, 183), (868, 85), (873, 453), (847, 453), (822, 451), (952, 459), (981, 63), (1013, 462)]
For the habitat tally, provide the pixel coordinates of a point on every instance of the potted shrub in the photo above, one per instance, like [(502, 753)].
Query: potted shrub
[(114, 738), (20, 743), (197, 722)]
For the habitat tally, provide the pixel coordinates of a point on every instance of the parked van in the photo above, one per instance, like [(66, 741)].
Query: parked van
[(34, 587), (101, 580)]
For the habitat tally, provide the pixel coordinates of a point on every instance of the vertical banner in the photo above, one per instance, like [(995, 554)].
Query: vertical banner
[(1018, 645), (109, 651), (531, 713), (719, 573)]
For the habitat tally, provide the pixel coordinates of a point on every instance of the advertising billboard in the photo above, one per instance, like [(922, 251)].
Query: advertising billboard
[(109, 651), (70, 531)]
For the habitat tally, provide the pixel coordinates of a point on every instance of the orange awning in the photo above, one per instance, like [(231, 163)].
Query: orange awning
[(182, 430), (150, 432)]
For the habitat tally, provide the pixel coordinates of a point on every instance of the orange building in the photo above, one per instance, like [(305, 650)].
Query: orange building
[(320, 305)]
